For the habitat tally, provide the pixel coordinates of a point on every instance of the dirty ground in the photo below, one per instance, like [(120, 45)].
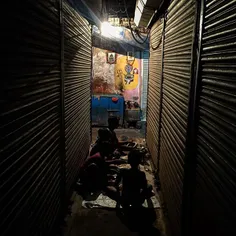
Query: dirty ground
[(110, 222)]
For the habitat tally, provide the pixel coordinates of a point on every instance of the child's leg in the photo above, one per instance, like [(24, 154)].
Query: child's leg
[(146, 193), (112, 193)]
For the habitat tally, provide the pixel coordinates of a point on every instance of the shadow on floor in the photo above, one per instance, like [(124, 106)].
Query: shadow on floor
[(139, 220), (94, 222), (110, 222)]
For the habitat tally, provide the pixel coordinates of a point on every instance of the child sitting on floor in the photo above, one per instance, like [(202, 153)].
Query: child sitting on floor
[(134, 183)]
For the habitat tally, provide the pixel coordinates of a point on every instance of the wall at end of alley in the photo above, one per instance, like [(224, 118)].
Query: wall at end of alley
[(123, 77)]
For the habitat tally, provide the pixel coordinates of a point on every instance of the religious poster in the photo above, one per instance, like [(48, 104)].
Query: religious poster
[(125, 73), (111, 57)]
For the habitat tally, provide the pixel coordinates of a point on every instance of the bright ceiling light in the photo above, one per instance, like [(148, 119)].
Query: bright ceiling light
[(107, 30)]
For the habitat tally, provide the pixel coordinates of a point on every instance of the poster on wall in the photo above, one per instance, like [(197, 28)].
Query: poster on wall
[(127, 72), (111, 57)]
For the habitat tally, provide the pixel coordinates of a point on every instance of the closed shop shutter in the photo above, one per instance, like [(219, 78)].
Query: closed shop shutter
[(154, 87), (216, 154), (77, 91), (30, 118), (178, 45), (145, 62)]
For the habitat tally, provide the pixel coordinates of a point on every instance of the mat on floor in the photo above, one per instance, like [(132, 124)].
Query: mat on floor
[(105, 202)]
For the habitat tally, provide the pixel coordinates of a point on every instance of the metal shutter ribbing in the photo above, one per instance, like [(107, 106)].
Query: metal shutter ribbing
[(77, 91), (154, 87), (30, 119), (145, 62), (178, 44), (216, 156)]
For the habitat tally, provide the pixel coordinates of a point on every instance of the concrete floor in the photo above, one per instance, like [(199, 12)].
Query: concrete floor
[(94, 222), (123, 134)]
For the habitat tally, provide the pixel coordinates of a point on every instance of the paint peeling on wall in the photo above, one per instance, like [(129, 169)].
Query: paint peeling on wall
[(122, 78), (103, 73)]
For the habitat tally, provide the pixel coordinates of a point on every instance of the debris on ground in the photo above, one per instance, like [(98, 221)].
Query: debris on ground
[(100, 212), (104, 201)]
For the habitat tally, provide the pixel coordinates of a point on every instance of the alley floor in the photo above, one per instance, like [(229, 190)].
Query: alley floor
[(110, 221)]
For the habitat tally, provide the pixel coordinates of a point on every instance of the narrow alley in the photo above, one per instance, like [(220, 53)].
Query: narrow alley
[(102, 215), (118, 117)]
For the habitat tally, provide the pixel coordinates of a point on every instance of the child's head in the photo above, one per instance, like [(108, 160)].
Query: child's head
[(104, 142), (134, 158), (113, 122), (104, 136)]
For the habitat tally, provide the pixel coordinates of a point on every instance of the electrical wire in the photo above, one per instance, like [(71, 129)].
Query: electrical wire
[(120, 11), (132, 33), (162, 34), (134, 37), (158, 45), (138, 33)]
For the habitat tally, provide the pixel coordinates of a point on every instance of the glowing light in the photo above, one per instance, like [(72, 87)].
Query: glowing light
[(137, 16), (139, 11), (140, 6), (107, 30)]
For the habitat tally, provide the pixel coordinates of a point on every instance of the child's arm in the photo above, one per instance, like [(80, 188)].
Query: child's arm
[(144, 181)]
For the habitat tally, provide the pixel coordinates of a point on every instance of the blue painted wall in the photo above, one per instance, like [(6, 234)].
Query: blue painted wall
[(103, 107)]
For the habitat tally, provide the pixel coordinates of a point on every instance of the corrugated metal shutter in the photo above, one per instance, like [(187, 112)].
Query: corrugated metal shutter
[(145, 62), (216, 156), (154, 88), (77, 91), (30, 118), (178, 45)]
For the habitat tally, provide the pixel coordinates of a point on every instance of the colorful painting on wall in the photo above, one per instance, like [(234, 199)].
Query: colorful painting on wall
[(130, 58), (121, 78), (125, 73)]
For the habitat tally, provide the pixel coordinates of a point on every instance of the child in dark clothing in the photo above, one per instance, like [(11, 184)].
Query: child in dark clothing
[(134, 183), (94, 171), (113, 123), (119, 146), (103, 143)]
